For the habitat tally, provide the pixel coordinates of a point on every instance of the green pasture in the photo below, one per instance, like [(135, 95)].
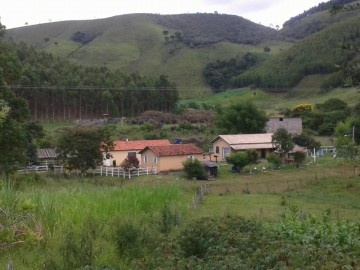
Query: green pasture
[(158, 206)]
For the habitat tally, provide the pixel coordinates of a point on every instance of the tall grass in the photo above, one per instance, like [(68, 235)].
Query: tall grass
[(73, 206), (82, 225)]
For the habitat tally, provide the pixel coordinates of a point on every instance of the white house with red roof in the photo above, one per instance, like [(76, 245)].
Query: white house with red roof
[(123, 149)]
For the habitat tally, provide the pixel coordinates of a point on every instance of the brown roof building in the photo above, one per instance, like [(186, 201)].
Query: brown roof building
[(123, 149), (224, 145), (169, 157)]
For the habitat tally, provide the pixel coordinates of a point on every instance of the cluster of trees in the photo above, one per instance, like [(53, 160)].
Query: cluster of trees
[(17, 134), (324, 117), (218, 74), (203, 29), (56, 89)]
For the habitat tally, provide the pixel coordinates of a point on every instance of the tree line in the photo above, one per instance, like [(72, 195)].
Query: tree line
[(56, 89)]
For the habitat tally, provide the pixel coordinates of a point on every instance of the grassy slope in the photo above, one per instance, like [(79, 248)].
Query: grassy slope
[(315, 23), (135, 43), (307, 91)]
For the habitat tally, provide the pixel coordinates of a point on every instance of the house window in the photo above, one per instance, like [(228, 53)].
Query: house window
[(217, 150), (155, 160), (191, 157), (131, 154), (145, 159)]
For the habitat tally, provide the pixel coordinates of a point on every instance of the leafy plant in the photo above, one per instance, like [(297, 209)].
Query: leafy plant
[(299, 158), (193, 168), (130, 162), (274, 160)]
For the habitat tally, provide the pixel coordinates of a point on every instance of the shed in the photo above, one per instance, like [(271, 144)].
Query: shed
[(211, 169), (46, 156)]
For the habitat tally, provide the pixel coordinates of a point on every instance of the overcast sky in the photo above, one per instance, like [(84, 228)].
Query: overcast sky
[(17, 13)]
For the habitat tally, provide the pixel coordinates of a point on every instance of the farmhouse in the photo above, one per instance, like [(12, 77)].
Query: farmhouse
[(123, 149), (169, 157), (224, 145), (292, 125)]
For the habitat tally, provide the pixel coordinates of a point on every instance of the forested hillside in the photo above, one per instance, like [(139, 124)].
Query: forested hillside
[(199, 52), (318, 18), (57, 89), (202, 29), (179, 46), (321, 53)]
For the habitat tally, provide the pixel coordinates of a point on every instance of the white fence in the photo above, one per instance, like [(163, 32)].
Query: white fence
[(102, 171), (120, 172), (46, 168)]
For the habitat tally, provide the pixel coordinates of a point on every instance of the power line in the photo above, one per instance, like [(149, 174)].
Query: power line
[(152, 88)]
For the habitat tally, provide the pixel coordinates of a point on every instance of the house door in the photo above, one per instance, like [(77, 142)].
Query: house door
[(225, 152), (263, 153)]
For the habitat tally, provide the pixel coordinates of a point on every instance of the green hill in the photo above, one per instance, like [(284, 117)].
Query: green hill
[(318, 18), (177, 45), (320, 53), (182, 46)]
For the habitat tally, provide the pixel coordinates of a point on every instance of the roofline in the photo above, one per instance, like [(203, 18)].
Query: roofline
[(221, 136)]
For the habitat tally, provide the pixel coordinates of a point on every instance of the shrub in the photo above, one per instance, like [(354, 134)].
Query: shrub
[(300, 109), (130, 162), (194, 169), (239, 160), (274, 160), (299, 157)]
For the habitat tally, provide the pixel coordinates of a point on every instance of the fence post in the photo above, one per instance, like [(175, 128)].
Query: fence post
[(138, 171), (112, 172), (147, 170), (129, 174), (101, 170), (10, 265)]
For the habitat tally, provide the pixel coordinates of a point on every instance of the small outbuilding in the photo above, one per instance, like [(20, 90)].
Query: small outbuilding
[(46, 156), (211, 169)]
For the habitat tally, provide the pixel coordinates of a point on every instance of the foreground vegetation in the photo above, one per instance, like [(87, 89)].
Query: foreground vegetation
[(149, 222)]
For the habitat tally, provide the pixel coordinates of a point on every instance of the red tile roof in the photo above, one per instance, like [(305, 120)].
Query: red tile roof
[(174, 150), (137, 145)]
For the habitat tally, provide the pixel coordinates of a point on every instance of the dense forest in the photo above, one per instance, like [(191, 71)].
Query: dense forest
[(219, 73), (56, 89), (203, 29)]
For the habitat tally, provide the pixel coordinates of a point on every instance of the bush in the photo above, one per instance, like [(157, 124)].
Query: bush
[(239, 160), (194, 169), (274, 160), (299, 157), (130, 162)]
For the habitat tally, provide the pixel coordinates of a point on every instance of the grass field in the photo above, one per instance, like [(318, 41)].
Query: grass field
[(61, 207)]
